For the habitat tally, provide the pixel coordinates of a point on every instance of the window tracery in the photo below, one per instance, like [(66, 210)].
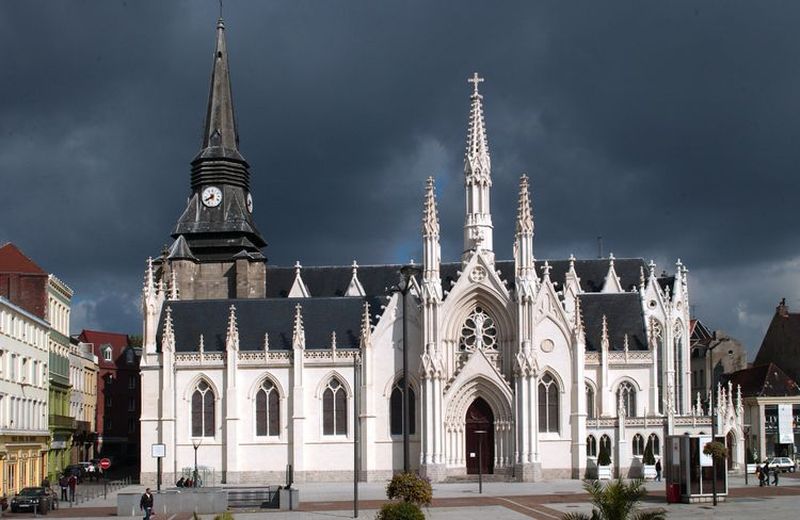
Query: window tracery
[(267, 410), (203, 410), (478, 332)]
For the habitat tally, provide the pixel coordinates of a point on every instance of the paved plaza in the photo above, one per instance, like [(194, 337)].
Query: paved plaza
[(499, 501)]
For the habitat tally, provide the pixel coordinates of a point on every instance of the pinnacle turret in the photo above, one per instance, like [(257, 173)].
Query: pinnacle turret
[(477, 160), (524, 213), (430, 219)]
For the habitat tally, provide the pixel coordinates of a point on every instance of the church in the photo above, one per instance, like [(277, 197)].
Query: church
[(523, 368)]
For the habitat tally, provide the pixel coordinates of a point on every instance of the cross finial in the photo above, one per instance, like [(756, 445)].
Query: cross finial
[(475, 79)]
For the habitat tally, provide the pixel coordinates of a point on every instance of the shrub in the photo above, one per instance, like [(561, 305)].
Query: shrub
[(409, 487), (750, 457), (400, 511), (224, 516), (617, 500)]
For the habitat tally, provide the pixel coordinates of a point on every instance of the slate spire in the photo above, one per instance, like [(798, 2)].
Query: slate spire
[(220, 137)]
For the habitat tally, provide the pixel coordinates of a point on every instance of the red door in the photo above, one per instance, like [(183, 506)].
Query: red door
[(480, 437)]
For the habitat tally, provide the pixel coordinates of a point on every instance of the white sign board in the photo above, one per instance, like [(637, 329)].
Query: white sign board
[(58, 445), (159, 450), (705, 460), (785, 419), (472, 454)]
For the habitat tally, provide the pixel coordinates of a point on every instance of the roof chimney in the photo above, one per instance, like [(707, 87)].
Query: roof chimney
[(782, 309)]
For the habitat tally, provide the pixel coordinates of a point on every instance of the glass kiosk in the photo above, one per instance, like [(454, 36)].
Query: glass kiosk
[(689, 471)]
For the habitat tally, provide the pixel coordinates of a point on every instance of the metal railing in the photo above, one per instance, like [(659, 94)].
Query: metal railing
[(85, 493)]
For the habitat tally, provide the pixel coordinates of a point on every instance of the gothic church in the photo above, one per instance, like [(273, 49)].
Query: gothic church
[(535, 365)]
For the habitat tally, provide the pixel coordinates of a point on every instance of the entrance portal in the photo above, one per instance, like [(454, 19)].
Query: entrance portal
[(480, 437)]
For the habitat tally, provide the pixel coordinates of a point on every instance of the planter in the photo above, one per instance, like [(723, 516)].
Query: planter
[(649, 472), (604, 472), (751, 468)]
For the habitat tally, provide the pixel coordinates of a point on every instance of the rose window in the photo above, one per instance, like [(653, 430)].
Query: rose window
[(478, 332)]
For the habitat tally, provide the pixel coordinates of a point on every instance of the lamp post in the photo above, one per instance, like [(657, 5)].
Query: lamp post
[(196, 442), (407, 272), (712, 378), (356, 429), (746, 450), (480, 434)]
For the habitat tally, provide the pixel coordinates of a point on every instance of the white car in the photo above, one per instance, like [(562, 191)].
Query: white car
[(782, 463)]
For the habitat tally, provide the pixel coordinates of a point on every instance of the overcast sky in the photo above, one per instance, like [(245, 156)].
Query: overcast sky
[(669, 128)]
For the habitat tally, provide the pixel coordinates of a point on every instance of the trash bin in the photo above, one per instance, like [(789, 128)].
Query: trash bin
[(673, 493)]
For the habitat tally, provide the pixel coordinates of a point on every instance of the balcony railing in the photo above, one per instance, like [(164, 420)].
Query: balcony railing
[(62, 421)]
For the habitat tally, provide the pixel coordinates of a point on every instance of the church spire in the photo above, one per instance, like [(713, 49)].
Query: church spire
[(478, 179), (220, 138)]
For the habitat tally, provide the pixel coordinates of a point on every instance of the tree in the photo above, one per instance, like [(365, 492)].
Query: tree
[(407, 491), (716, 449), (649, 459), (604, 457), (617, 500)]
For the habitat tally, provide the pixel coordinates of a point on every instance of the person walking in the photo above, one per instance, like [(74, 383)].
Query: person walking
[(63, 483), (73, 483), (146, 503), (658, 470), (775, 473)]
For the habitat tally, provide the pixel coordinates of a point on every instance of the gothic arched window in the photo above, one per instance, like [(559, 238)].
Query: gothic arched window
[(548, 404), (660, 353), (591, 446), (590, 410), (203, 410), (334, 409), (478, 332), (267, 410), (626, 394), (396, 415), (654, 444), (677, 334), (638, 445)]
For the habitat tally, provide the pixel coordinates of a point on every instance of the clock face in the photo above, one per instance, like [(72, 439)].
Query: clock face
[(249, 201), (212, 196)]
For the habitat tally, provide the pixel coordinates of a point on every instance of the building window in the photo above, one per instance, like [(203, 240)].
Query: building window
[(107, 353), (605, 445), (129, 356), (132, 424), (203, 410), (548, 404), (396, 415), (654, 444), (590, 413), (267, 410), (131, 404), (478, 332), (591, 446), (107, 423), (109, 402), (334, 409), (626, 398), (678, 357), (131, 382), (638, 445)]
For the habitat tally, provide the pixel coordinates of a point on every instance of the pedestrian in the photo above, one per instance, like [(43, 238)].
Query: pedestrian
[(775, 475), (146, 503), (180, 482), (658, 470), (73, 483), (63, 483)]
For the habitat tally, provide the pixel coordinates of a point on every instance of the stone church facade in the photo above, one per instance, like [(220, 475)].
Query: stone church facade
[(536, 365)]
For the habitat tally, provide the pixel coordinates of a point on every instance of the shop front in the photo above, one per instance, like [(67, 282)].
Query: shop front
[(23, 462), (781, 430)]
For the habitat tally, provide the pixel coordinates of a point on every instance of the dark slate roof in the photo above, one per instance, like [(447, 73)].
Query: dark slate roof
[(763, 381), (275, 316), (624, 315), (378, 279), (781, 343)]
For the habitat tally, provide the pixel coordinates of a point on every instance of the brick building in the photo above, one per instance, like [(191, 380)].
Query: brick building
[(118, 397)]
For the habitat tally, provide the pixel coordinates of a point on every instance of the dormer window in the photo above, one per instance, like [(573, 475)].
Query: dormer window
[(107, 352), (129, 356)]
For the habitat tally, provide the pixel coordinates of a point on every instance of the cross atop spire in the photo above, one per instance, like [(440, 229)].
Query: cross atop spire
[(475, 80)]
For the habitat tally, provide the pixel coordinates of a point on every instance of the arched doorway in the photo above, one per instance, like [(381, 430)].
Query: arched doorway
[(731, 442), (480, 437)]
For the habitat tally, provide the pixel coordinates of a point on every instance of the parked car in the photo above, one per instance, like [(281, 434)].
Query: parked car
[(782, 463), (32, 499)]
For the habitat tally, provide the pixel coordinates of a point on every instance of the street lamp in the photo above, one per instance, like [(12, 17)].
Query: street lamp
[(746, 450), (712, 378), (407, 272), (356, 429), (480, 433), (196, 442)]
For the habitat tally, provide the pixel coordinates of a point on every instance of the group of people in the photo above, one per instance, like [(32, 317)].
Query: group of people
[(763, 472), (187, 482), (68, 484)]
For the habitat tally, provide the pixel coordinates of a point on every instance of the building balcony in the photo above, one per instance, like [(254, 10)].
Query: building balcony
[(63, 422)]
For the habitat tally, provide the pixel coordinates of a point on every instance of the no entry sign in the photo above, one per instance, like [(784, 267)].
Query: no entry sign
[(105, 463)]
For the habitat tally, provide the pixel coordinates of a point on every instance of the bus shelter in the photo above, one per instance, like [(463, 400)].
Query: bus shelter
[(689, 472)]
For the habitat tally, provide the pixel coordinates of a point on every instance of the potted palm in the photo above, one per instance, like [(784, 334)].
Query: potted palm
[(649, 461), (604, 462), (617, 500)]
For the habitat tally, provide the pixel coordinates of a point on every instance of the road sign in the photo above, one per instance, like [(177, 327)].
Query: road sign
[(105, 464)]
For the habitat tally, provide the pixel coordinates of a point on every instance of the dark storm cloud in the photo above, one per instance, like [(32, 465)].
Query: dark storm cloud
[(667, 128)]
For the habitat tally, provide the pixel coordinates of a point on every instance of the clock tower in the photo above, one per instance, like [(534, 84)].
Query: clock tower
[(217, 248)]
